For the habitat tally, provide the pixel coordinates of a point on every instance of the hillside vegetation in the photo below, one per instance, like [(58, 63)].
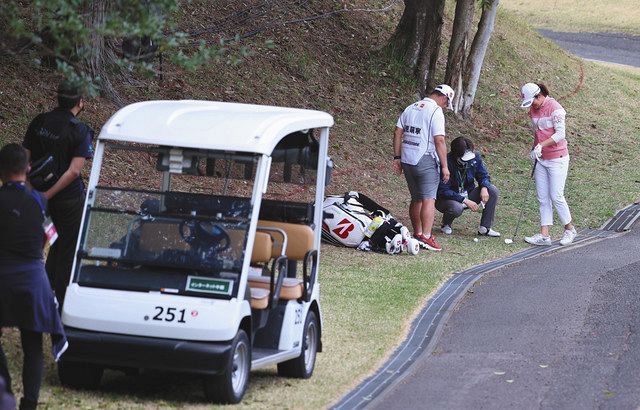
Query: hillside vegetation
[(339, 64)]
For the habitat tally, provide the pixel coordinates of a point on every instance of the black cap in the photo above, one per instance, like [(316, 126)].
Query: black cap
[(67, 89)]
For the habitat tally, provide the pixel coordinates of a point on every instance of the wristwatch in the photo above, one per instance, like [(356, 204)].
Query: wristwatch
[(397, 157)]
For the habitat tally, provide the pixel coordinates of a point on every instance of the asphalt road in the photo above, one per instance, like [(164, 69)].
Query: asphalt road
[(557, 331), (609, 47)]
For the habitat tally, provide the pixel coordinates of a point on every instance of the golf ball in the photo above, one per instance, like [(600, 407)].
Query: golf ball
[(507, 241), (475, 239)]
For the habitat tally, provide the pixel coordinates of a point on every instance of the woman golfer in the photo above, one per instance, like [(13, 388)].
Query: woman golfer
[(552, 161)]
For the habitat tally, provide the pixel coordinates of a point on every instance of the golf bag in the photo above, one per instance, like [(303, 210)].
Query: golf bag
[(355, 220), (347, 217)]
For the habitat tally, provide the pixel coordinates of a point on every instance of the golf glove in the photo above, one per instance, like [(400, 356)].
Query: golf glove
[(536, 152)]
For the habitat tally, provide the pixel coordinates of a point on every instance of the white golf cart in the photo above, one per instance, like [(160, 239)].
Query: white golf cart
[(199, 245)]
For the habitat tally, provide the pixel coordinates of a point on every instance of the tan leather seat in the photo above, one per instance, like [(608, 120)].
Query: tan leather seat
[(299, 242), (299, 239), (262, 245), (292, 288), (259, 298)]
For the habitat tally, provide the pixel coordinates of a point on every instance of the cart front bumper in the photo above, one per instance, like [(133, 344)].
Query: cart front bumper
[(115, 350)]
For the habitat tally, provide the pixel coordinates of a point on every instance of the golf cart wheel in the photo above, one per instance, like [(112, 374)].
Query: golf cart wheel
[(230, 386), (79, 375), (302, 366)]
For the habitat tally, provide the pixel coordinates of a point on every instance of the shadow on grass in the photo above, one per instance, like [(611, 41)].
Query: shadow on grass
[(146, 388)]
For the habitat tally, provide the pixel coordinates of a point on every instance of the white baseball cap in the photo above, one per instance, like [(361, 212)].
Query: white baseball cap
[(448, 91), (468, 156), (529, 92)]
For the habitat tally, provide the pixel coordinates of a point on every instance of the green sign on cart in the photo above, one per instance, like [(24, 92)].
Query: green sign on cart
[(209, 285)]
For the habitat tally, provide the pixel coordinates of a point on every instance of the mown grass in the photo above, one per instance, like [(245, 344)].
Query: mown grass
[(368, 300), (579, 15)]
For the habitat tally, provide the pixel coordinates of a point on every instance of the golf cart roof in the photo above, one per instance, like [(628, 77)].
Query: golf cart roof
[(210, 124)]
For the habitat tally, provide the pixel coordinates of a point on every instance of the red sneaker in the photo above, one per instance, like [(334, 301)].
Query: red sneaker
[(428, 243)]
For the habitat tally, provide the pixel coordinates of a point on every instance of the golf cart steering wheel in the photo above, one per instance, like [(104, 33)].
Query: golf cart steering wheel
[(205, 235)]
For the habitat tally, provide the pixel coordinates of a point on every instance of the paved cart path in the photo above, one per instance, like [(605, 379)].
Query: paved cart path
[(609, 47), (556, 331)]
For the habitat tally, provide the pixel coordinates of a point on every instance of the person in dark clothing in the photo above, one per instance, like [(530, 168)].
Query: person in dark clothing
[(461, 192), (26, 297), (60, 135), (7, 401)]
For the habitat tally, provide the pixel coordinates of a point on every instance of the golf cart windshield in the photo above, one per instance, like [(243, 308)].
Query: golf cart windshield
[(167, 220)]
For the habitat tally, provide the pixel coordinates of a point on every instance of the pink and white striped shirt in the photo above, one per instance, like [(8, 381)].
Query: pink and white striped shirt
[(548, 121)]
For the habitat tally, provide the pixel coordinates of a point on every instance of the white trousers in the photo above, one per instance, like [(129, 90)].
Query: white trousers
[(551, 175)]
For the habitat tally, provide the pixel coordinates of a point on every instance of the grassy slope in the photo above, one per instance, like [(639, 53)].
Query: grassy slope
[(336, 65), (579, 15)]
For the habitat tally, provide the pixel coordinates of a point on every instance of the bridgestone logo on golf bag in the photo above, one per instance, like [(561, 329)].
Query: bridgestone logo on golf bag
[(347, 217), (345, 220)]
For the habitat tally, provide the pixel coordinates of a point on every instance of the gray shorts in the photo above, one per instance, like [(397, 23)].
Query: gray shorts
[(423, 178)]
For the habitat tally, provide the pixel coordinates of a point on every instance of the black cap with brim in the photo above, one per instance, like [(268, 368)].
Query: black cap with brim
[(66, 89)]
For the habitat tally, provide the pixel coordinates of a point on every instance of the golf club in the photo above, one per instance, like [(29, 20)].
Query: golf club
[(524, 201)]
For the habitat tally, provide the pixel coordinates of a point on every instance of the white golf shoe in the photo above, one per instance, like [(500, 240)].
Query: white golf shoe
[(446, 229), (538, 240), (488, 232), (568, 236)]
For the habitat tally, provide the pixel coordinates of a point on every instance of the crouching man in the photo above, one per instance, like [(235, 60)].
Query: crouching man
[(461, 192)]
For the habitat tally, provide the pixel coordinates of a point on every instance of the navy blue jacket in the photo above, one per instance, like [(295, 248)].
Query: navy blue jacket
[(26, 298), (475, 171), (61, 134)]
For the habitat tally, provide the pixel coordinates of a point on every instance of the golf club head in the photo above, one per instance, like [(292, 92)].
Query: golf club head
[(405, 234), (394, 245), (413, 246)]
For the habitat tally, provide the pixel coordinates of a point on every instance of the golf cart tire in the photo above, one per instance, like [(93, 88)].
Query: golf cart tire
[(302, 366), (230, 386), (79, 375)]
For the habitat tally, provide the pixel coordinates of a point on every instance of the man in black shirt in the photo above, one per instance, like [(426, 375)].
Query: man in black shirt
[(62, 136)]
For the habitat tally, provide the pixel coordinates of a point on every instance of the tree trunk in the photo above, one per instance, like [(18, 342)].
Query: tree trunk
[(457, 58), (477, 53), (406, 41), (102, 54), (430, 47), (96, 18), (416, 40)]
